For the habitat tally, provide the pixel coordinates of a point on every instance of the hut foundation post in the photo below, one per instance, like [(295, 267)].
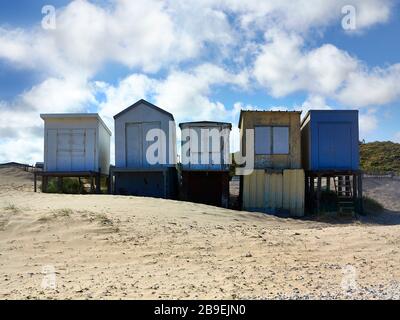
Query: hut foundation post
[(312, 195), (319, 194), (91, 183), (59, 184), (44, 183), (35, 182), (98, 182), (360, 194)]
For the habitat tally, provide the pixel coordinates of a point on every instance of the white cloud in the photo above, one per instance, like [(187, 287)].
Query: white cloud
[(21, 128), (315, 102), (378, 86), (186, 93), (147, 36), (142, 34), (285, 66), (397, 137), (368, 123), (303, 15), (127, 92)]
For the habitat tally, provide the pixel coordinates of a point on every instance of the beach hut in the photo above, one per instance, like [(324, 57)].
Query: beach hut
[(205, 162), (145, 152), (75, 145), (330, 156), (276, 184)]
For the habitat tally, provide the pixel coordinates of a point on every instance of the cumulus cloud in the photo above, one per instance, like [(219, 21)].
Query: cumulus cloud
[(368, 123), (378, 86), (186, 93), (314, 102), (142, 34), (397, 137), (21, 129), (177, 52), (303, 15), (285, 66)]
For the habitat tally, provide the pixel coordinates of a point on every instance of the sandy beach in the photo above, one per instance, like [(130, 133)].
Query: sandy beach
[(114, 247)]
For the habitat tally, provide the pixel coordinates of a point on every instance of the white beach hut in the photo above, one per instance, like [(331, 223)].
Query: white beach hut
[(76, 143)]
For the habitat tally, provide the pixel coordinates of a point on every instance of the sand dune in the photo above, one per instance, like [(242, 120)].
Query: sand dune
[(112, 247)]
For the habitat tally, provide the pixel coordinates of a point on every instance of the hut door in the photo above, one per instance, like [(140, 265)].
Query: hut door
[(133, 145), (77, 147), (195, 147), (334, 145), (64, 150), (136, 144), (146, 127)]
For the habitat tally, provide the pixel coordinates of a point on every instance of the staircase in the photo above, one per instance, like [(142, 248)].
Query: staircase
[(344, 190)]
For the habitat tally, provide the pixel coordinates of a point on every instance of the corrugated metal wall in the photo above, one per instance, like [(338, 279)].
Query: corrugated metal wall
[(274, 191)]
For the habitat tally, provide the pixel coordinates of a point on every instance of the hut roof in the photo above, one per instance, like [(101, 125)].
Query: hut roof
[(45, 116), (142, 101), (242, 112), (209, 123)]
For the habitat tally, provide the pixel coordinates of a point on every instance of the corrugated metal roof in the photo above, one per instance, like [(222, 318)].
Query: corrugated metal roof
[(209, 123), (322, 110), (142, 101), (45, 116), (264, 111)]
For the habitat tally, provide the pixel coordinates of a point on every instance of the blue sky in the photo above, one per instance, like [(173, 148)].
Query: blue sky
[(199, 60)]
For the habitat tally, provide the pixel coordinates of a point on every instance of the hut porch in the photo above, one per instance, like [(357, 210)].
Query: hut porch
[(339, 188), (93, 177)]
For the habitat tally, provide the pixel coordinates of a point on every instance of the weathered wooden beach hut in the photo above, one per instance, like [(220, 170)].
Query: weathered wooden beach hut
[(277, 183), (330, 156), (205, 162), (75, 145), (145, 152)]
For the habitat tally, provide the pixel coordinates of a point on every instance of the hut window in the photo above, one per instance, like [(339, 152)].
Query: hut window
[(271, 140), (280, 137), (263, 143)]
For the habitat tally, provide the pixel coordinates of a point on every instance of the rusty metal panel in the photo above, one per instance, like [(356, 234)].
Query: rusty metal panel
[(274, 192), (293, 191)]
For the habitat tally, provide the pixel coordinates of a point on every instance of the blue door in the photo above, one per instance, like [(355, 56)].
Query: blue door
[(334, 145)]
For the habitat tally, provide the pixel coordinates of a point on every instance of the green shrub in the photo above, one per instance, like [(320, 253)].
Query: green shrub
[(69, 186), (380, 157)]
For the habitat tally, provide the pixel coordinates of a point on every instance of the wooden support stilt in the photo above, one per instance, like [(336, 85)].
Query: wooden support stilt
[(98, 182), (319, 183), (45, 181), (35, 181), (92, 184), (355, 193), (59, 184), (312, 195), (360, 194)]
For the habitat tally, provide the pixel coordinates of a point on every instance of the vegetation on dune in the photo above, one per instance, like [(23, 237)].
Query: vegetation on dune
[(380, 157), (69, 186)]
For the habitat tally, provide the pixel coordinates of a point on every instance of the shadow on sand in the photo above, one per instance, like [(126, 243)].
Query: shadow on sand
[(384, 218)]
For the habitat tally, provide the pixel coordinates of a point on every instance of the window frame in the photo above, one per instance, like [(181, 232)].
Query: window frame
[(272, 151)]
